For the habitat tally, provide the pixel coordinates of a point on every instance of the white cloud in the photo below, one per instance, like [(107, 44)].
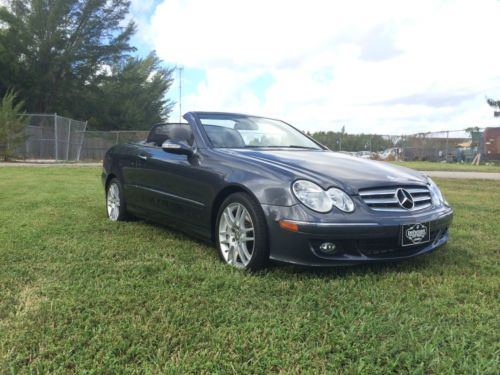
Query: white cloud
[(382, 66)]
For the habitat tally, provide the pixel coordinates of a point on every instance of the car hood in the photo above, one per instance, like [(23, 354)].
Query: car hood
[(328, 168)]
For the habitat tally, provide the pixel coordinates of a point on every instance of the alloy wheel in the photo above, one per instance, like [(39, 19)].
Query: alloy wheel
[(236, 235), (113, 201)]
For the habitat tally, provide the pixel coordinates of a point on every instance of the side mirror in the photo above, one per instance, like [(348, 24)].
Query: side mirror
[(176, 147)]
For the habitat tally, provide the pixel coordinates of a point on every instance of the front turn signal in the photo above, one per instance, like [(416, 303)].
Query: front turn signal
[(288, 225)]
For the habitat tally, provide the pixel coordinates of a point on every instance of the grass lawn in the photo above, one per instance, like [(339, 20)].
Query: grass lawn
[(430, 166), (81, 294)]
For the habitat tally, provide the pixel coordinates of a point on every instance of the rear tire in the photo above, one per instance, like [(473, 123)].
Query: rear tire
[(241, 233), (115, 201)]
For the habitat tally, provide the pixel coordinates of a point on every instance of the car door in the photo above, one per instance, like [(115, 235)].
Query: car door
[(131, 164), (176, 188)]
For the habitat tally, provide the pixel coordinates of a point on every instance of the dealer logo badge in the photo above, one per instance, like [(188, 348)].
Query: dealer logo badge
[(416, 233)]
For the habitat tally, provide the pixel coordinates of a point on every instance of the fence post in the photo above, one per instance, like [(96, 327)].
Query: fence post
[(446, 146), (56, 146), (68, 140), (81, 142)]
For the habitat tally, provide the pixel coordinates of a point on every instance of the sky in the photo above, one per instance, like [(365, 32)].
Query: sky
[(386, 67)]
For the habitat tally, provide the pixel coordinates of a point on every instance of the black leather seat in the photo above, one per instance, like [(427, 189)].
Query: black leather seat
[(161, 132), (224, 137)]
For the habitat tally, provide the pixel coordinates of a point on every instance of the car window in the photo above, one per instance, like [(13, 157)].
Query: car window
[(227, 131)]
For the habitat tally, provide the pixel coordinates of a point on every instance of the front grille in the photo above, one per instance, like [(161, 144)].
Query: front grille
[(385, 199)]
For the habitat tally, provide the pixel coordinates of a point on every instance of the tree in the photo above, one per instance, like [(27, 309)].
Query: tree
[(494, 104), (57, 54), (12, 124), (475, 135), (132, 96), (352, 142)]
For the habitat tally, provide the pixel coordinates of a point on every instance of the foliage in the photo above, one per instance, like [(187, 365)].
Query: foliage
[(475, 135), (80, 294), (57, 54), (342, 141), (132, 97), (12, 124), (494, 104)]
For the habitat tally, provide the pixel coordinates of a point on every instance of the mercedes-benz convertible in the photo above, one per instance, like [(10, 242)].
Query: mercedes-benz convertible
[(262, 191)]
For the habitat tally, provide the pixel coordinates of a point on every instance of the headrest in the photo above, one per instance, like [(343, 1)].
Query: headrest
[(181, 133), (245, 124)]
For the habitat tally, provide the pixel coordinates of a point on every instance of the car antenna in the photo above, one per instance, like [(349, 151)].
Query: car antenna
[(180, 68)]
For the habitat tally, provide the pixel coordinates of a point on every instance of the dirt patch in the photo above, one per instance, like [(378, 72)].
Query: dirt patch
[(29, 299)]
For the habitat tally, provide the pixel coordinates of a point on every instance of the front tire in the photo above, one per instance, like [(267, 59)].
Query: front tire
[(115, 202), (241, 233)]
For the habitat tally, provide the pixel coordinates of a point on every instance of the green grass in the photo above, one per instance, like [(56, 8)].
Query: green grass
[(430, 166), (80, 294)]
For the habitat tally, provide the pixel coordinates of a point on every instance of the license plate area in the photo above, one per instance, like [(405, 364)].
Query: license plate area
[(415, 234)]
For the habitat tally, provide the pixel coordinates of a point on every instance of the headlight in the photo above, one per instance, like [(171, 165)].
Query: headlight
[(341, 200), (314, 197), (436, 195)]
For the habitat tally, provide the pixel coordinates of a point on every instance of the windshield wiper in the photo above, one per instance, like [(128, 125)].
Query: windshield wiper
[(306, 147), (290, 146)]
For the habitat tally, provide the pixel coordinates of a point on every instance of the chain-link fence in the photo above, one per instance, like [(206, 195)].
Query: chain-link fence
[(58, 138), (53, 137), (449, 146), (96, 143)]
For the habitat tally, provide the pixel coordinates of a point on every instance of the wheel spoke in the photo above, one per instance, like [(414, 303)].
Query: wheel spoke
[(233, 256), (244, 254), (246, 238), (231, 216), (227, 218), (239, 214)]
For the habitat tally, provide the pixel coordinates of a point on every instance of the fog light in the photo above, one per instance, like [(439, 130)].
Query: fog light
[(327, 247)]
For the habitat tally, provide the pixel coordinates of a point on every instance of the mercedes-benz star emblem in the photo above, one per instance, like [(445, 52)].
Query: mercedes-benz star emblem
[(405, 199)]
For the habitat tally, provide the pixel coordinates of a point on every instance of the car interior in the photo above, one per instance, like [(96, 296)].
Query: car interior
[(177, 132), (221, 136)]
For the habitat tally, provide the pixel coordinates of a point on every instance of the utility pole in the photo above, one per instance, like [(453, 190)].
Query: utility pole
[(180, 68)]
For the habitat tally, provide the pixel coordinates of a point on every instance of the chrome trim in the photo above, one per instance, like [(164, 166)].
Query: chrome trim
[(298, 222), (421, 199), (381, 200), (377, 192), (398, 209), (169, 195), (386, 199), (417, 191)]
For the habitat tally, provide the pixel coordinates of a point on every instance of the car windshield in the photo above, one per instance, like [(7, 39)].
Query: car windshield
[(239, 131)]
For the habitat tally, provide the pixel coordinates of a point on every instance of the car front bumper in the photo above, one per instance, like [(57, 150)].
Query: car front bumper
[(362, 237)]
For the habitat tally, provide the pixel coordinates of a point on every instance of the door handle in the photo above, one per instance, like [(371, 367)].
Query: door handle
[(142, 156)]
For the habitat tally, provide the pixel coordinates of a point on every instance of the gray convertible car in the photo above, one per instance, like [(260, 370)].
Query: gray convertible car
[(262, 190)]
